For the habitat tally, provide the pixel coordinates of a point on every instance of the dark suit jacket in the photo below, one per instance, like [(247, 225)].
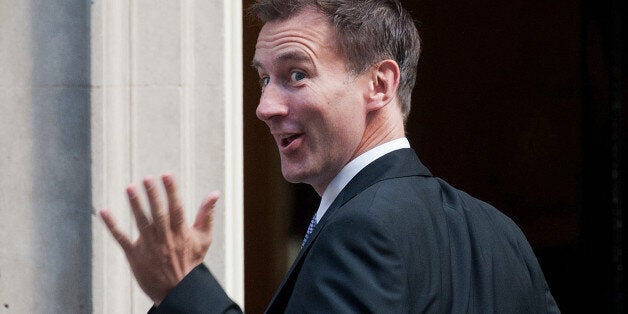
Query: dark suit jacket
[(397, 240)]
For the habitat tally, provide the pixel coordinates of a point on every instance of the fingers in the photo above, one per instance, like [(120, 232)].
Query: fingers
[(160, 219), (175, 207), (162, 222), (111, 224), (205, 215), (141, 220)]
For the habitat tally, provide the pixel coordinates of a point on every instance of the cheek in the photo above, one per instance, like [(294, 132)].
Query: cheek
[(331, 113), (341, 135), (348, 116)]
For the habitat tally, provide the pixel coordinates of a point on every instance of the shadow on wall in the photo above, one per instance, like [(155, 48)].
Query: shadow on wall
[(60, 159)]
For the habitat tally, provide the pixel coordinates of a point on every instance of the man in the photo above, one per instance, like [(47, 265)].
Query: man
[(388, 237)]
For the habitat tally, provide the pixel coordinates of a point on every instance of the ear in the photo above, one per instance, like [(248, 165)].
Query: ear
[(384, 81)]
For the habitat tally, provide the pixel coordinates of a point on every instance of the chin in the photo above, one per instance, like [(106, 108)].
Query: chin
[(295, 175), (292, 178)]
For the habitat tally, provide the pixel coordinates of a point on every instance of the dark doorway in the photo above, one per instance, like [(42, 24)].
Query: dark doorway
[(519, 103)]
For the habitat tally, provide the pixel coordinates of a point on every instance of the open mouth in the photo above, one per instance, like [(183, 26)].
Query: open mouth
[(287, 140)]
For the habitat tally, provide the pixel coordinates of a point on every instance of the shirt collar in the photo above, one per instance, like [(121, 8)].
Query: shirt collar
[(352, 168)]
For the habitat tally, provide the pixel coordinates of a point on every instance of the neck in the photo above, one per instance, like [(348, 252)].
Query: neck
[(381, 127)]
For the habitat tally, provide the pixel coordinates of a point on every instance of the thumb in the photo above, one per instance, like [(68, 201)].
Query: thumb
[(205, 215), (112, 225)]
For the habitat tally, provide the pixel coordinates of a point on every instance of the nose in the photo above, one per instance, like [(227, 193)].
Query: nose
[(272, 103)]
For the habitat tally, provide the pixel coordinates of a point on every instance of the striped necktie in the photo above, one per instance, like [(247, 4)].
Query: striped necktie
[(310, 229)]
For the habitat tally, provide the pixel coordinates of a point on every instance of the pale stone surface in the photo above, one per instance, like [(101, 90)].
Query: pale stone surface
[(156, 130), (15, 43), (156, 46), (45, 212), (16, 271), (177, 118), (95, 95)]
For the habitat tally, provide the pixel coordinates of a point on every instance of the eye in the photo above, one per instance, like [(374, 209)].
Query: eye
[(297, 76), (264, 81)]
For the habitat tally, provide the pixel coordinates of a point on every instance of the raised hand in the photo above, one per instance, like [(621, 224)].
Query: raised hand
[(167, 249)]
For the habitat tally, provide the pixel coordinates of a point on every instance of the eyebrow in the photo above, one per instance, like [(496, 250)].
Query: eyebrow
[(294, 56)]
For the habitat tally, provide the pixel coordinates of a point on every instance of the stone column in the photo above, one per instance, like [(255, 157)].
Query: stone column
[(45, 196), (166, 97), (95, 95)]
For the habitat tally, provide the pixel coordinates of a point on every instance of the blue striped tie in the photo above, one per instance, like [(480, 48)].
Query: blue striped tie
[(310, 229)]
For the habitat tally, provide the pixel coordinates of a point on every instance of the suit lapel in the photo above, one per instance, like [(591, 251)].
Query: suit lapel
[(399, 163)]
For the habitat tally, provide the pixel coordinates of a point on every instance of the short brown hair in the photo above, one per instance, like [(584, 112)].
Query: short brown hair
[(368, 31)]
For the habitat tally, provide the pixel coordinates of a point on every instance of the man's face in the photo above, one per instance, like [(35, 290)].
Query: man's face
[(312, 105)]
